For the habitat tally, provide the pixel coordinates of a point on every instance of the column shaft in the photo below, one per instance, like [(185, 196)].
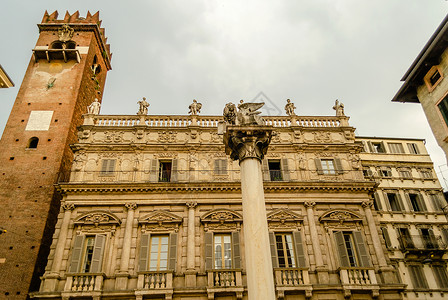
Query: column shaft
[(126, 249), (62, 239), (314, 237), (374, 234), (260, 278), (191, 238)]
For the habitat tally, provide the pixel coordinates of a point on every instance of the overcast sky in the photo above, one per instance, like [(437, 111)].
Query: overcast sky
[(216, 51)]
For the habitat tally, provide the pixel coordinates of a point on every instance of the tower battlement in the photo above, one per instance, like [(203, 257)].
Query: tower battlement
[(50, 22)]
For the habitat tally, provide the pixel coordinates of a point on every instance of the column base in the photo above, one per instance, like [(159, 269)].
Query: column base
[(121, 281), (190, 279), (322, 275)]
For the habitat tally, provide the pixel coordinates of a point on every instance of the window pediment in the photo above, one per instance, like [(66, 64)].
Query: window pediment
[(341, 216), (222, 219), (284, 219), (161, 217), (98, 218)]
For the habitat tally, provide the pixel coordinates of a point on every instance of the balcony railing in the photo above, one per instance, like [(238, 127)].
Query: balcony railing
[(357, 278), (225, 281), (155, 280), (186, 176), (421, 243), (292, 280), (84, 282), (208, 121)]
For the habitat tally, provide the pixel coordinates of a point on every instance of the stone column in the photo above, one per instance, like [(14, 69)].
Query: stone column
[(322, 272), (249, 144), (386, 270), (51, 280), (190, 274), (122, 276)]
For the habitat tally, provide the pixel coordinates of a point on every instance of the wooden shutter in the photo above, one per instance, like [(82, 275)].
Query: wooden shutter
[(265, 170), (285, 169), (377, 200), (421, 202), (445, 235), (76, 254), (224, 166), (400, 202), (236, 250), (371, 148), (386, 237), (318, 166), (217, 168), (173, 251), (340, 243), (441, 276), (300, 253), (153, 174), (111, 167), (273, 250), (408, 200), (417, 277), (338, 166), (435, 202), (362, 251), (144, 252), (174, 170), (386, 199), (208, 236), (98, 250)]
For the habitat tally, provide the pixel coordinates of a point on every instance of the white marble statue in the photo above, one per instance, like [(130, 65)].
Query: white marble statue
[(195, 108), (94, 107), (290, 107), (143, 107), (339, 108)]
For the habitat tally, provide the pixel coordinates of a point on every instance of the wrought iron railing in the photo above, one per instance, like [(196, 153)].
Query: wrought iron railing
[(419, 242)]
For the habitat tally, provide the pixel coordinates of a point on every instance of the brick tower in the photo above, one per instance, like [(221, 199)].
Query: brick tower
[(66, 73)]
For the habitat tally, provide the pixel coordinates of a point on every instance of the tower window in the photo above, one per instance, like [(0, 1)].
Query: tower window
[(33, 142), (56, 45)]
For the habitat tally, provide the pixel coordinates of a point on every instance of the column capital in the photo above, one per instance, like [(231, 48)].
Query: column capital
[(130, 206), (191, 204), (243, 142), (68, 206), (309, 204), (367, 204)]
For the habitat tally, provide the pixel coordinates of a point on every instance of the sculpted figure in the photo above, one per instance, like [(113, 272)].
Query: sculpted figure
[(248, 114), (143, 109), (290, 107), (94, 107), (339, 108), (195, 108), (65, 33), (230, 113)]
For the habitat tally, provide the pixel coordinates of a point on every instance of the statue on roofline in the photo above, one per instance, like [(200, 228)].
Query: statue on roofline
[(94, 107), (339, 108), (247, 113), (290, 107), (195, 108), (143, 107)]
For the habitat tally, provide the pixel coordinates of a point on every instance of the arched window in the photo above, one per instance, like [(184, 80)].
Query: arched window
[(32, 143), (96, 68), (70, 45), (56, 45)]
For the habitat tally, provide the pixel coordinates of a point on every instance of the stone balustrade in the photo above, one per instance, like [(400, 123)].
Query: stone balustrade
[(291, 276), (84, 282), (358, 276), (208, 121), (224, 278), (155, 280)]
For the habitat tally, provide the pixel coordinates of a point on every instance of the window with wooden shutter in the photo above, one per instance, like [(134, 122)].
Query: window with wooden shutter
[(285, 250), (377, 202), (413, 148), (396, 148), (144, 252), (351, 249), (208, 244), (220, 167), (236, 250), (273, 250), (417, 277), (265, 170), (158, 252), (275, 170), (441, 276), (173, 251), (87, 254), (285, 169), (386, 237), (222, 251), (415, 202), (108, 167), (76, 254)]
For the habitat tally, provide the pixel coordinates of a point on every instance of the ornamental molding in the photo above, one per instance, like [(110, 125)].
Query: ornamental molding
[(98, 218), (160, 221), (222, 219), (284, 219), (340, 216)]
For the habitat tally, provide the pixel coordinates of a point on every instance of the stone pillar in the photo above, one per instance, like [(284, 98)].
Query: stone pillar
[(249, 144), (122, 276), (51, 280), (322, 272), (190, 274), (386, 271)]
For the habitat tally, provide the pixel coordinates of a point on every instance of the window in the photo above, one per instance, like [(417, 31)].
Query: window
[(328, 166), (367, 173), (108, 167), (405, 173), (220, 167), (377, 147), (443, 108), (438, 202), (164, 171), (441, 276), (275, 172), (351, 248), (433, 77), (426, 173), (158, 252), (396, 147), (87, 254), (394, 202), (222, 251), (377, 202), (413, 148), (405, 239), (33, 142), (417, 277), (416, 203), (287, 250), (429, 240), (386, 172)]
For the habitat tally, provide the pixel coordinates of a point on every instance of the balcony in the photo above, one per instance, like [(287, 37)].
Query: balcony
[(292, 280), (83, 285), (155, 283), (225, 281), (56, 54), (358, 279), (421, 243)]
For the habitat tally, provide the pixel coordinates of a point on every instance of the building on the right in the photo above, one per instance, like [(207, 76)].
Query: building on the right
[(424, 83), (410, 208)]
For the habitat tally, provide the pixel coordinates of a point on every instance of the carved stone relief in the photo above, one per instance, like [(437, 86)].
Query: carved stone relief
[(222, 220), (160, 221), (284, 219), (167, 137)]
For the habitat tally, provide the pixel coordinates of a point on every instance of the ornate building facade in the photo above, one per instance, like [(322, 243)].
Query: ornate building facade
[(150, 207)]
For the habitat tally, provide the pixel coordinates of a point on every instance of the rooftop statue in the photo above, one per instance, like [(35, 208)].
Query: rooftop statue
[(94, 107), (195, 108), (339, 108), (290, 107), (143, 109), (247, 113)]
